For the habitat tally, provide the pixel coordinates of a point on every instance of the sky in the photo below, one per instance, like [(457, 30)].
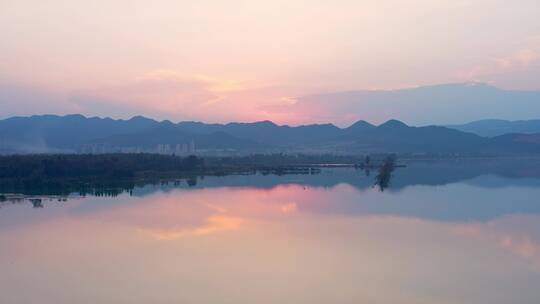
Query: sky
[(219, 61)]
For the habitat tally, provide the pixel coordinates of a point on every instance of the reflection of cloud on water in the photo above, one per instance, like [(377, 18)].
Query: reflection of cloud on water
[(180, 213), (524, 247), (519, 235), (289, 208), (216, 208), (213, 224)]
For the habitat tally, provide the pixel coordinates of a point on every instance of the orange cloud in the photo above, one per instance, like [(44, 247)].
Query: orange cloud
[(170, 95)]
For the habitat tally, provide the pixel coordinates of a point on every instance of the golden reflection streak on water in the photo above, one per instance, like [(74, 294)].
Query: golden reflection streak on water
[(251, 203), (195, 211), (274, 241), (214, 224)]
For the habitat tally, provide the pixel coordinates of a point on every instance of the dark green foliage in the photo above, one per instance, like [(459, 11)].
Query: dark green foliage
[(100, 174), (88, 165), (112, 174), (36, 202)]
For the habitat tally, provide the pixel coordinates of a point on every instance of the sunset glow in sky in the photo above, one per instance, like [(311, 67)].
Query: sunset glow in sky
[(217, 60)]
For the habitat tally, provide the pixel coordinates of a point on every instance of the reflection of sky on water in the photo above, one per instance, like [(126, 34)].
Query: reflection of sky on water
[(480, 198), (289, 239)]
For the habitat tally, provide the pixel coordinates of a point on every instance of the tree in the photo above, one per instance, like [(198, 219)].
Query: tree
[(385, 172)]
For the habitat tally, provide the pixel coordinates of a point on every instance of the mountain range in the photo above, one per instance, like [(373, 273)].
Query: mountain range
[(76, 133), (497, 127)]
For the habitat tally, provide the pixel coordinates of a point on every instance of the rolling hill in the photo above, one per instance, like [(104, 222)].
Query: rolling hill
[(72, 133), (496, 127)]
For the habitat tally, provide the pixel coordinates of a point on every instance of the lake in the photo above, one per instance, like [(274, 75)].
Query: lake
[(463, 231)]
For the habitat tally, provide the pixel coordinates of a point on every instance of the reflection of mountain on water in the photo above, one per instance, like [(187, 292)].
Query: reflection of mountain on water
[(514, 172), (510, 172), (473, 190)]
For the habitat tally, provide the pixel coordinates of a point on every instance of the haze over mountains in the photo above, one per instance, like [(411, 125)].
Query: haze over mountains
[(496, 127), (441, 104), (448, 102), (76, 133), (425, 105)]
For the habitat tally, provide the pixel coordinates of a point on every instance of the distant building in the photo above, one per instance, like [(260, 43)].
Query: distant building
[(97, 148), (178, 149)]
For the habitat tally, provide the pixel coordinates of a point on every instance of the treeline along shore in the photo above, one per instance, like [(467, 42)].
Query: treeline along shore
[(65, 173)]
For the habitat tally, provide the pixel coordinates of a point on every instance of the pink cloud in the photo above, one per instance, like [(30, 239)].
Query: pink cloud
[(515, 234), (500, 69), (169, 95)]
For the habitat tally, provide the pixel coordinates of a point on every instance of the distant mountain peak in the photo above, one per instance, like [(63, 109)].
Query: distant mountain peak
[(265, 123), (393, 123), (496, 127), (73, 133), (138, 117), (141, 119), (361, 124), (167, 122), (77, 116)]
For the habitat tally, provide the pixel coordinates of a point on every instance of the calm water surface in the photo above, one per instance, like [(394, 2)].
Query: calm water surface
[(459, 234)]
